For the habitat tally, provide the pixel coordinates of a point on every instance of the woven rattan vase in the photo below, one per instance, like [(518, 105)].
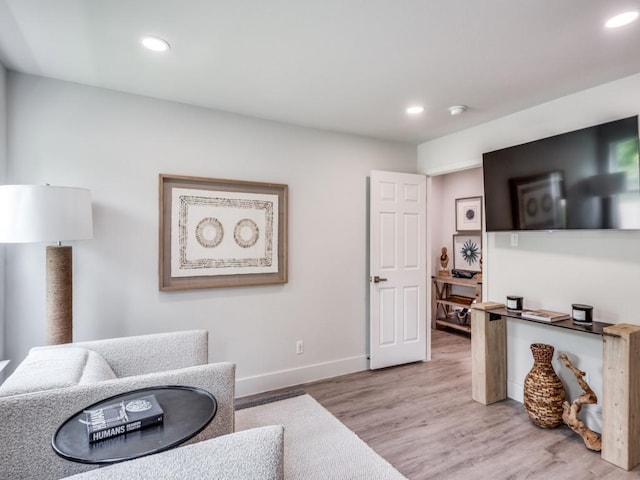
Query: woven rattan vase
[(543, 389)]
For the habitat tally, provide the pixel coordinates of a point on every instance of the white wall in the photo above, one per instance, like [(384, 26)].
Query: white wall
[(464, 149), (461, 184), (116, 145), (553, 270), (3, 168), (436, 216)]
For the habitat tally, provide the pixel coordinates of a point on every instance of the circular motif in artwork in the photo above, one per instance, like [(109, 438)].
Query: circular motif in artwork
[(546, 202), (470, 214), (470, 252), (139, 405), (246, 233), (209, 232)]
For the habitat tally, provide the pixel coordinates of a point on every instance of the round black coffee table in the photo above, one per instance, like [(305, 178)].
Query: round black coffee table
[(187, 411)]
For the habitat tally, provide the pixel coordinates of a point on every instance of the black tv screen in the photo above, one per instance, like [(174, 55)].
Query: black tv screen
[(585, 179)]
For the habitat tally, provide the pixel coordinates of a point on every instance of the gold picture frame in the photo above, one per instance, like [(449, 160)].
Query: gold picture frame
[(221, 233)]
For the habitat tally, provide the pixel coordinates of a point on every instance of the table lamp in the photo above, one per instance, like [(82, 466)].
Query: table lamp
[(44, 213)]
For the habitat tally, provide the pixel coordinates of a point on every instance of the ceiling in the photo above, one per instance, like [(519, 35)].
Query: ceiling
[(350, 66)]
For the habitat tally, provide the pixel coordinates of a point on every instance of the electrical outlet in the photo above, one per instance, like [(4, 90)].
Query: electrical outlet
[(299, 347), (514, 239)]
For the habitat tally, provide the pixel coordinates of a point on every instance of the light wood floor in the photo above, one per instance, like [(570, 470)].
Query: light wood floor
[(421, 418)]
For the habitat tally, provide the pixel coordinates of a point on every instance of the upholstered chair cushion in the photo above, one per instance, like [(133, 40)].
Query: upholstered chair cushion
[(49, 368)]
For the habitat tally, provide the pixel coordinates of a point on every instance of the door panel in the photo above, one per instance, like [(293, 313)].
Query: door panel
[(398, 268), (388, 241), (387, 316), (411, 250), (411, 312)]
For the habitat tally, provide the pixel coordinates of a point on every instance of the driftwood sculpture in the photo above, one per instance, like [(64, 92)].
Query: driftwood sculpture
[(591, 439)]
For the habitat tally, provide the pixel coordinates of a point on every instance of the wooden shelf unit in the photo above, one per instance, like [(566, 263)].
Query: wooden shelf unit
[(443, 301)]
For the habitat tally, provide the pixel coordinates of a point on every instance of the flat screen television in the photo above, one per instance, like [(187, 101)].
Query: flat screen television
[(588, 179)]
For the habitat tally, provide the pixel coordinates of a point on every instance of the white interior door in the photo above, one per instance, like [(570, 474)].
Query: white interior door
[(398, 269)]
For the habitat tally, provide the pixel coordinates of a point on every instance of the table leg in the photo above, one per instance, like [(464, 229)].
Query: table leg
[(488, 356), (621, 395)]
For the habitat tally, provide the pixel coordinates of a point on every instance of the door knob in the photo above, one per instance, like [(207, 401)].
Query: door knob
[(377, 279)]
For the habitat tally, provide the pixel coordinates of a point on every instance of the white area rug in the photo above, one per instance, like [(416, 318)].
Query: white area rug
[(317, 444)]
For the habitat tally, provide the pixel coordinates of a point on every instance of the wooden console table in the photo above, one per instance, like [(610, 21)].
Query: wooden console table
[(620, 375)]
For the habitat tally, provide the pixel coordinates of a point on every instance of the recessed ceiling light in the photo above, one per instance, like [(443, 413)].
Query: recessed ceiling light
[(416, 109), (621, 20), (156, 44), (457, 109)]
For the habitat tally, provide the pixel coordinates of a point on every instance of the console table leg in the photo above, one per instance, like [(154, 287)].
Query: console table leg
[(488, 356), (621, 395)]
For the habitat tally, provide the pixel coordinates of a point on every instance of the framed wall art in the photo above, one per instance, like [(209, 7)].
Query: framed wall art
[(221, 233), (539, 201), (467, 250), (469, 214)]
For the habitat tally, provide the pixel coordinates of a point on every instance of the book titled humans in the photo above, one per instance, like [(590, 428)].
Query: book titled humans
[(120, 418), (544, 315)]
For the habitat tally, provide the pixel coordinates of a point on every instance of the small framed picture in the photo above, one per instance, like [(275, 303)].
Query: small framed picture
[(469, 214), (467, 252)]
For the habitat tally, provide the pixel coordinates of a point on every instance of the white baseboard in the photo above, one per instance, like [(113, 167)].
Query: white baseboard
[(515, 391), (3, 372), (296, 376)]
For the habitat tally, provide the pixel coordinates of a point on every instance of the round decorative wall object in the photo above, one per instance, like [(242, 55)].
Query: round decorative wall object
[(470, 252), (470, 214), (209, 232), (246, 233)]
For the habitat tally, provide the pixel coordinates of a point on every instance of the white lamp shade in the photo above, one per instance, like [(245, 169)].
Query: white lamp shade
[(43, 213)]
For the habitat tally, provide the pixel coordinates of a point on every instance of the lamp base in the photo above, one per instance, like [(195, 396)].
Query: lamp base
[(59, 295)]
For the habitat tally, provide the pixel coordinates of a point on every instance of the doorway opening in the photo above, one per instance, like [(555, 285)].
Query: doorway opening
[(448, 241)]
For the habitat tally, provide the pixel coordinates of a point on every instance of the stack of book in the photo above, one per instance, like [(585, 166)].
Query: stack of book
[(544, 315), (123, 417)]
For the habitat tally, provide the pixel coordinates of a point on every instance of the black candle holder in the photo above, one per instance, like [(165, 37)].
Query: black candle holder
[(514, 303), (582, 314)]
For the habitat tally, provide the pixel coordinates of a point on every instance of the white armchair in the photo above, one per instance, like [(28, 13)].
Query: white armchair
[(29, 420)]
